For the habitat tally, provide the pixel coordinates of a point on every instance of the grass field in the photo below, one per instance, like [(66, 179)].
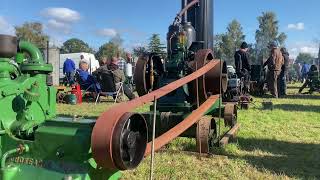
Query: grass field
[(279, 144)]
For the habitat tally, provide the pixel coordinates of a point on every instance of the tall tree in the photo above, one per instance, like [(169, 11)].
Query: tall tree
[(75, 45), (216, 46), (305, 57), (155, 45), (231, 41), (32, 32), (117, 40), (140, 50), (268, 32), (108, 50)]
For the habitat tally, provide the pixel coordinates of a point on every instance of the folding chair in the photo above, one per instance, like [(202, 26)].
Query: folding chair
[(86, 88), (108, 87)]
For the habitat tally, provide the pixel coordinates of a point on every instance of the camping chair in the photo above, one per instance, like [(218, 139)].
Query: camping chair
[(86, 89), (108, 87)]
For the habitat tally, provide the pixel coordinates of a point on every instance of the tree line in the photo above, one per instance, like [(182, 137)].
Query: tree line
[(33, 32), (227, 43)]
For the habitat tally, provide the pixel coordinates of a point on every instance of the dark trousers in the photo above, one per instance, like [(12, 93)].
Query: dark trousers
[(69, 78), (282, 84), (305, 84), (273, 77), (245, 76)]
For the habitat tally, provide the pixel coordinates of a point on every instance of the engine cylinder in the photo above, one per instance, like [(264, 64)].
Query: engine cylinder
[(8, 46), (190, 32)]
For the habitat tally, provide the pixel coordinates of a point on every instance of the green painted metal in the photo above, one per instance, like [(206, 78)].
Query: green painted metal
[(34, 143), (36, 62), (20, 58)]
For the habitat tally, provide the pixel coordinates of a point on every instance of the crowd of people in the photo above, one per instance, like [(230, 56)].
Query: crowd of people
[(278, 67), (118, 68)]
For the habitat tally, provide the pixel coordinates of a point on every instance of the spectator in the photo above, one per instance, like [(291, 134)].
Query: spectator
[(304, 71), (297, 68), (120, 62), (86, 80), (103, 61), (243, 67), (312, 80), (119, 76), (129, 69), (283, 75), (69, 71), (274, 63)]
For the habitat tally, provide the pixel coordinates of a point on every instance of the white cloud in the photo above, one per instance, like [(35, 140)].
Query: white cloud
[(5, 27), (303, 47), (61, 19), (311, 50), (61, 14), (299, 26), (109, 32), (59, 26)]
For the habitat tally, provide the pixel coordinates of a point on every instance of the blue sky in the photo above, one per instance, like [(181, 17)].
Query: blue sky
[(97, 21)]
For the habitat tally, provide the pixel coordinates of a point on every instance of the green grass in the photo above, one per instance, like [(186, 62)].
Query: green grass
[(279, 144)]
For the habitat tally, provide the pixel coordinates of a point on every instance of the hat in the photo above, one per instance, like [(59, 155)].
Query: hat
[(244, 45)]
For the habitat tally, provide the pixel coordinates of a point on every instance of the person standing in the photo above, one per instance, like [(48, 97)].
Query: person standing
[(297, 68), (274, 63), (129, 69), (69, 71), (121, 62), (304, 71), (243, 66), (312, 80), (284, 71)]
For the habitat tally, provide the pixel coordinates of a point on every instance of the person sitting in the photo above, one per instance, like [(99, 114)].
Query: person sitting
[(312, 80), (87, 81), (118, 76)]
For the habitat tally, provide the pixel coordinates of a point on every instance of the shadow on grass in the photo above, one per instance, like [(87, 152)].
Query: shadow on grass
[(292, 159), (302, 96), (297, 107)]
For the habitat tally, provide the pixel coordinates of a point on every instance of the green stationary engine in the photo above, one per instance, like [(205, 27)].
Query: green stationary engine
[(189, 48), (35, 144)]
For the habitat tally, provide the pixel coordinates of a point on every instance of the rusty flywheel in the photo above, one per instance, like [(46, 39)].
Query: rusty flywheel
[(116, 129)]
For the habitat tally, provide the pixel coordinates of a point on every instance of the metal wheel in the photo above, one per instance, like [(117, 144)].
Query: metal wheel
[(60, 97), (129, 141), (230, 114), (207, 84), (147, 71)]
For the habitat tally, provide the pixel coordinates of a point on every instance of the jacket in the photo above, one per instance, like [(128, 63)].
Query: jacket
[(242, 62), (285, 66), (305, 69), (275, 61), (68, 66), (118, 74)]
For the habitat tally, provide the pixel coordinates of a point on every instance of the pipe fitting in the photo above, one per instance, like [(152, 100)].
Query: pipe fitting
[(21, 149)]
